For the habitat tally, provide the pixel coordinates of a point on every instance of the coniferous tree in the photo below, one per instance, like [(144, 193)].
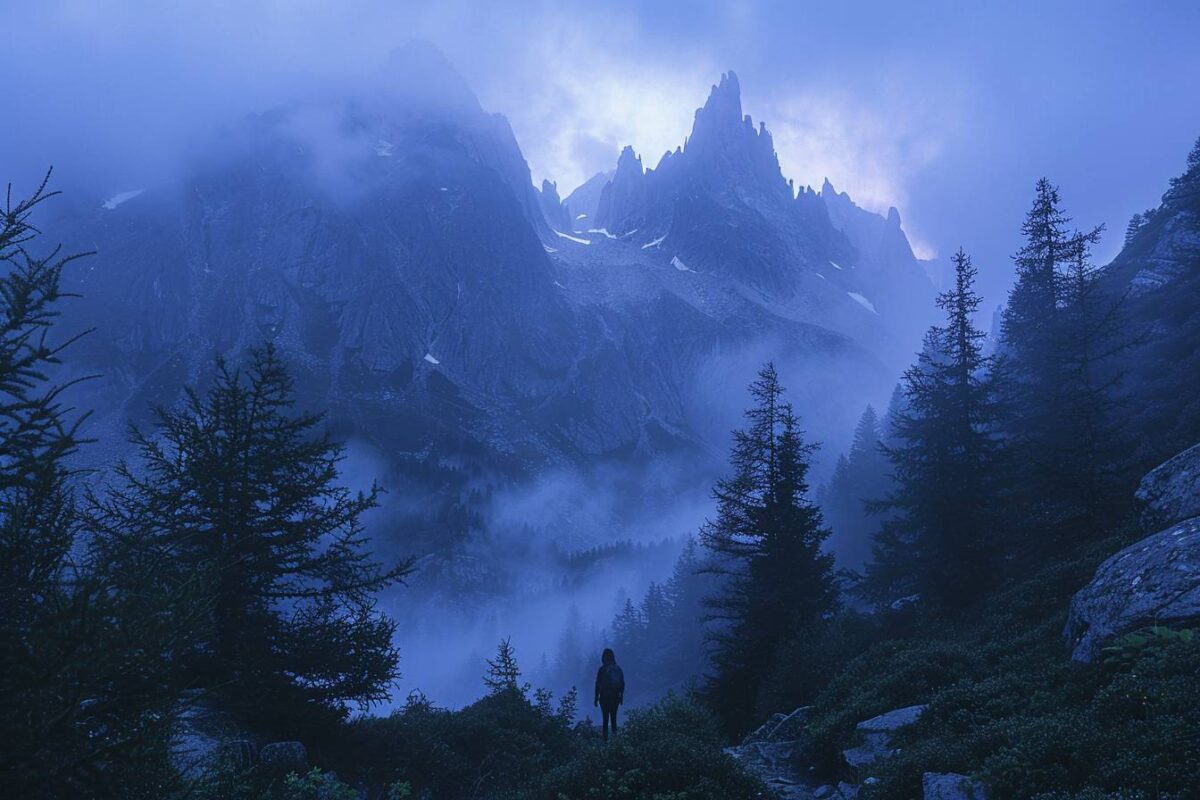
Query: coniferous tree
[(766, 545), (685, 658), (628, 628), (941, 541), (1094, 335), (662, 638), (1061, 376), (1035, 363), (1136, 222), (86, 706), (655, 609), (1191, 169), (503, 673), (859, 477), (235, 490)]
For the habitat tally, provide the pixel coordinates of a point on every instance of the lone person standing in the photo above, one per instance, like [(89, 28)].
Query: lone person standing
[(610, 689)]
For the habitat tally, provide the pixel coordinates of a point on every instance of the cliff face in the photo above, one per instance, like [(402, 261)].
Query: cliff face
[(1156, 279)]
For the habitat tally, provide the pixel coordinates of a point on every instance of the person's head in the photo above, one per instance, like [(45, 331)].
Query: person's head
[(607, 656)]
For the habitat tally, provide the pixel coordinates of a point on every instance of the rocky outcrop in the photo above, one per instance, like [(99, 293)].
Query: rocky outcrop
[(876, 735), (1157, 278), (622, 205), (950, 786), (1153, 582), (775, 753), (582, 203), (552, 207), (1170, 493), (1164, 247)]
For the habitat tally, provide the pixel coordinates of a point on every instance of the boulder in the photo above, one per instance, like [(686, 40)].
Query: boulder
[(950, 786), (774, 752), (204, 735), (1155, 581), (877, 733), (847, 791), (239, 753), (781, 727), (280, 758), (763, 732), (1170, 493)]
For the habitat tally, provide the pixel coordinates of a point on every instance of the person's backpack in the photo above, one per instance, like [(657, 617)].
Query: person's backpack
[(612, 682)]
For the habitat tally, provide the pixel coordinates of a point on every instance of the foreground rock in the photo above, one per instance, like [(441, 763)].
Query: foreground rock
[(950, 786), (877, 735), (1153, 582), (775, 752), (204, 735), (1170, 493)]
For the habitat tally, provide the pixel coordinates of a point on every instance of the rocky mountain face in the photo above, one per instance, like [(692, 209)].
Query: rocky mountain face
[(553, 209), (720, 205), (1154, 582), (1156, 279), (461, 322), (585, 200)]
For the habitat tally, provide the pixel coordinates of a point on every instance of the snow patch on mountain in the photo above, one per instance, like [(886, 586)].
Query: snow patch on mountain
[(679, 265), (429, 357), (864, 302), (571, 238), (655, 243), (120, 197)]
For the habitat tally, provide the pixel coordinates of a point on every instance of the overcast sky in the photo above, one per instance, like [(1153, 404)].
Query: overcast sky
[(948, 111)]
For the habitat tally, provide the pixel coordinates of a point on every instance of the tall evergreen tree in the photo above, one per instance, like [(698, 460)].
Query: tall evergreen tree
[(628, 628), (1030, 331), (685, 591), (1057, 330), (941, 541), (859, 477), (766, 545), (235, 488), (1094, 450), (86, 706), (1031, 340), (1136, 222)]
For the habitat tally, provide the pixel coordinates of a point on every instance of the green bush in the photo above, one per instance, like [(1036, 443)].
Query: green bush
[(1007, 705), (501, 743), (671, 751)]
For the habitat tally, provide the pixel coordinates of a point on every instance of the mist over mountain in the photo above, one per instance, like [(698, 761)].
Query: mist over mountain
[(478, 339)]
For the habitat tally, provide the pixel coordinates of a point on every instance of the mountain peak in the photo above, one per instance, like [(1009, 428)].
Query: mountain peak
[(629, 161), (418, 73), (724, 101)]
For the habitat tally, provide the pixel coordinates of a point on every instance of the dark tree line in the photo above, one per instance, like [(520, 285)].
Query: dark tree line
[(225, 558), (1016, 452), (861, 475), (993, 455)]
